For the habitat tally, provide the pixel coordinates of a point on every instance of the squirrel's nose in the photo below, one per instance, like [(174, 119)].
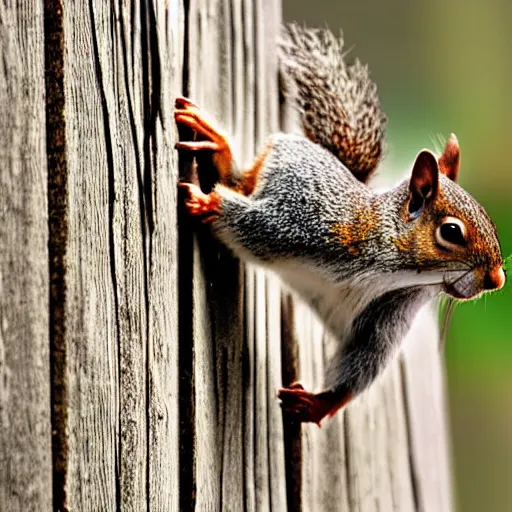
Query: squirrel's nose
[(494, 279)]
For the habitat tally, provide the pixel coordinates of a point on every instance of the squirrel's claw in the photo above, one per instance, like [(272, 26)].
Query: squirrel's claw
[(182, 102), (197, 121)]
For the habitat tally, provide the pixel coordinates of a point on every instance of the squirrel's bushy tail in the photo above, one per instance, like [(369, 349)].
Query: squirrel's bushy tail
[(338, 103)]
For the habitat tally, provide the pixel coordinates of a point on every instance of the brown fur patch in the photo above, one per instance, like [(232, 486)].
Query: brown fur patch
[(358, 230)]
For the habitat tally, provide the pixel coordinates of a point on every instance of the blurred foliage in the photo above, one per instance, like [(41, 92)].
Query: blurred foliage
[(444, 66)]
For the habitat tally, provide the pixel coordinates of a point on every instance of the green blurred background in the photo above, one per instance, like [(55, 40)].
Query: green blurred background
[(442, 67)]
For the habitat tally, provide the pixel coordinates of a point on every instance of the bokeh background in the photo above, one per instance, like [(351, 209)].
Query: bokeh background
[(445, 66)]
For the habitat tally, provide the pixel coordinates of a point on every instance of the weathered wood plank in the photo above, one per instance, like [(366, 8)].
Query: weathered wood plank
[(249, 377), (290, 364), (247, 131), (393, 442), (377, 447), (122, 269), (270, 483), (311, 353), (268, 24), (277, 474), (167, 34), (261, 454), (203, 62), (331, 487), (25, 429), (92, 306), (424, 388)]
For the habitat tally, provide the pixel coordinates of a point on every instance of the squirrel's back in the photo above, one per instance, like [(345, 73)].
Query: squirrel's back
[(296, 163), (338, 103)]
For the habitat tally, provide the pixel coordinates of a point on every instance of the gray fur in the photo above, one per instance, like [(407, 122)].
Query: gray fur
[(374, 337)]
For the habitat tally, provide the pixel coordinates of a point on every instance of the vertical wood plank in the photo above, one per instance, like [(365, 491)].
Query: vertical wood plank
[(93, 298), (25, 429), (424, 388), (277, 475), (248, 133), (122, 270), (393, 441), (361, 459), (261, 454), (270, 484), (330, 475), (311, 352), (270, 18), (249, 398), (291, 430), (167, 39), (203, 65)]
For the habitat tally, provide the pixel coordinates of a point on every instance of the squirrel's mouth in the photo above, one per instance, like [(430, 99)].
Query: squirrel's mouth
[(461, 285), (472, 283), (459, 294)]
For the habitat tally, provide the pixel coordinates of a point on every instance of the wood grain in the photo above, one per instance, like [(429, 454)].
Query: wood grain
[(122, 270), (25, 429), (171, 350), (166, 26), (424, 389)]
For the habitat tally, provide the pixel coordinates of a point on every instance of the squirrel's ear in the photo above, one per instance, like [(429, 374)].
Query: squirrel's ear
[(449, 162), (424, 182)]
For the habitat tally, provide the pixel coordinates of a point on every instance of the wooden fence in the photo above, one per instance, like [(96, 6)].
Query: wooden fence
[(139, 362)]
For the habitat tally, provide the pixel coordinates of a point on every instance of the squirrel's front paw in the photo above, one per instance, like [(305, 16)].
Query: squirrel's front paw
[(209, 137), (310, 407), (201, 205)]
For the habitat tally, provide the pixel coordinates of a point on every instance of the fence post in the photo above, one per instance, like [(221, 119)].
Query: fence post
[(155, 359)]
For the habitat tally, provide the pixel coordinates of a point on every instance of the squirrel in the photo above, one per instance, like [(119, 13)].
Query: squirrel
[(365, 262)]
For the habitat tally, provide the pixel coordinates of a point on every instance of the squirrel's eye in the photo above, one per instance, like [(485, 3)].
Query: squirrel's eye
[(451, 233)]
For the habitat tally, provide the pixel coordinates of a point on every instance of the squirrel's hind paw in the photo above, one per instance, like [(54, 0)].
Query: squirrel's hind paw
[(310, 407)]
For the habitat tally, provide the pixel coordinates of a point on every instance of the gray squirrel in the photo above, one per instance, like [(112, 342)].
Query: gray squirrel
[(364, 261)]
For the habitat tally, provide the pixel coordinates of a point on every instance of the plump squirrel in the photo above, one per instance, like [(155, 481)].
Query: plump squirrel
[(364, 261)]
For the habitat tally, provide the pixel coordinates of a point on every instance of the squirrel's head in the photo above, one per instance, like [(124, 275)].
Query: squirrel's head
[(446, 230)]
